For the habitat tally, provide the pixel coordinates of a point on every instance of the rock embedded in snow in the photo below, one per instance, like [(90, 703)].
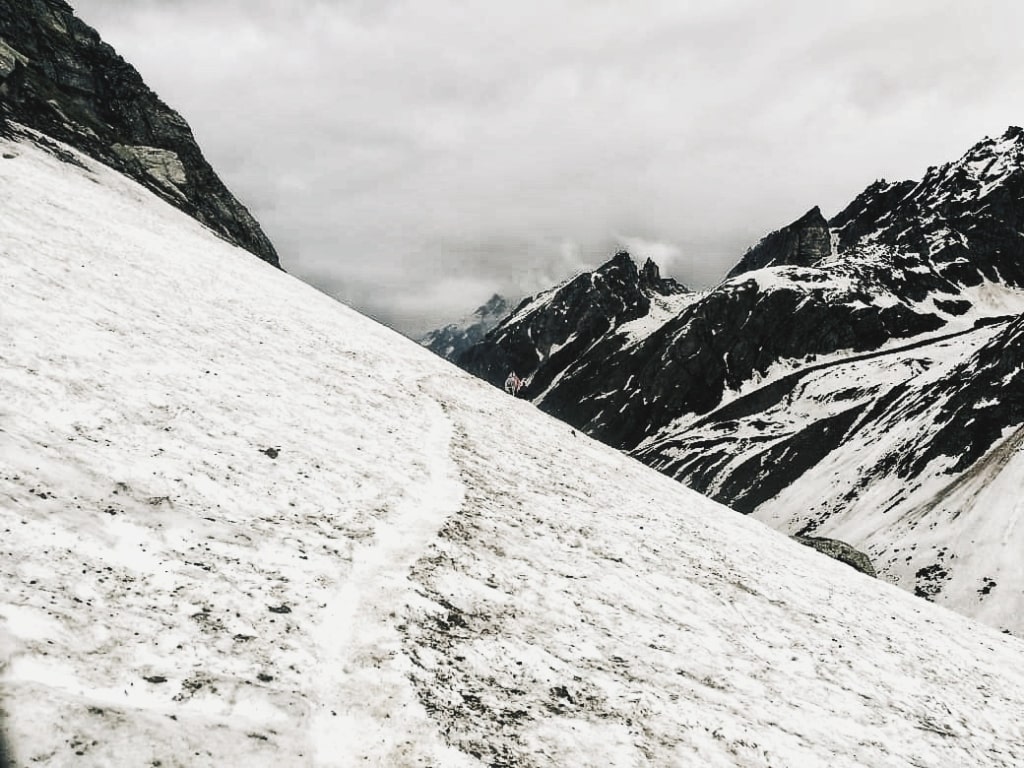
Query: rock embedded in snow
[(841, 551)]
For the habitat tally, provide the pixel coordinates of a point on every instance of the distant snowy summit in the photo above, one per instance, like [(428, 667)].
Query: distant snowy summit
[(59, 78), (858, 377), (455, 338)]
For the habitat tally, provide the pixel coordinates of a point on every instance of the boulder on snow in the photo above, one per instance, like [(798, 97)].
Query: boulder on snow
[(841, 551)]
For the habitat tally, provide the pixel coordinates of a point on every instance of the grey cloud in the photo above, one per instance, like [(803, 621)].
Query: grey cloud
[(412, 157)]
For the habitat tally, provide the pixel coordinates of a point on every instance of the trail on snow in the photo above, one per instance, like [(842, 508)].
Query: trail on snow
[(358, 642)]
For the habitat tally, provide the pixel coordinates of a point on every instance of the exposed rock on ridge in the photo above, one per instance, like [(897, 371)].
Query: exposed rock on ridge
[(58, 77), (801, 244)]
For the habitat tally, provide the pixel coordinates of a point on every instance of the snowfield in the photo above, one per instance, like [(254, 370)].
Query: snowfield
[(243, 525)]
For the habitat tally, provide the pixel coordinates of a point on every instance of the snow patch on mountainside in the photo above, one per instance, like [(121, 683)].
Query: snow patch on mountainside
[(663, 309)]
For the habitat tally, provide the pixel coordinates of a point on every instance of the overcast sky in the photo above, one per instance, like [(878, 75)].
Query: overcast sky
[(411, 158)]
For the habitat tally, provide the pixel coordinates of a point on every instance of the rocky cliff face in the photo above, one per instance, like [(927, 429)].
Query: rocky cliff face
[(59, 78), (857, 379), (802, 244)]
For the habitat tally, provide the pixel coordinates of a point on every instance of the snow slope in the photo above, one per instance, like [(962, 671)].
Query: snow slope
[(243, 525), (943, 531)]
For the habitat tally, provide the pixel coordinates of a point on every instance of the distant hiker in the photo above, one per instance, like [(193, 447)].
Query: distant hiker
[(513, 384)]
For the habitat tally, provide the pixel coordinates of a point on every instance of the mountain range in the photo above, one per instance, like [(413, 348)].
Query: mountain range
[(857, 378), (244, 525)]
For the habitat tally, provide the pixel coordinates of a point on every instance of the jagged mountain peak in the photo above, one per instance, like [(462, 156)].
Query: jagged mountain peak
[(495, 306), (646, 275), (622, 258), (802, 243), (961, 223), (1009, 145), (652, 281), (813, 216), (983, 167)]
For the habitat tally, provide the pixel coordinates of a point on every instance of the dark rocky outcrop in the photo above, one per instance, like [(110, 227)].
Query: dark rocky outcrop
[(59, 78), (841, 551), (652, 282), (539, 343), (802, 244)]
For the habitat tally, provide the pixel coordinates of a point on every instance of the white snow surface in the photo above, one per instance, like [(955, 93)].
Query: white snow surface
[(427, 573), (663, 309)]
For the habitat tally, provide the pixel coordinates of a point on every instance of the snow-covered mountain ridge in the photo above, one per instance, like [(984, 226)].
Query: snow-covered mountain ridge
[(846, 373), (545, 333), (455, 338), (244, 525)]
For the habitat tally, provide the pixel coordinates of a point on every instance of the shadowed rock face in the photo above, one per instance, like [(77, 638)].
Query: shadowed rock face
[(58, 77), (801, 244)]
